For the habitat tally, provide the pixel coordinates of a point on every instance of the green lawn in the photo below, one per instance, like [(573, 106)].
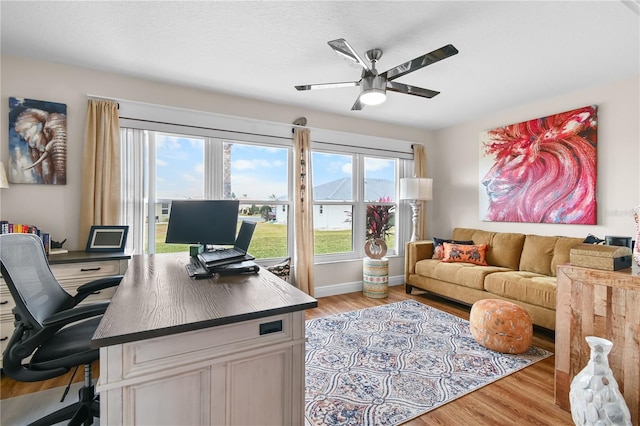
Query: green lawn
[(270, 241)]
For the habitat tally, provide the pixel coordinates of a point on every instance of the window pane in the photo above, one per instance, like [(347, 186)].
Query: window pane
[(179, 168), (179, 175), (270, 237), (332, 228), (332, 176), (379, 179), (255, 172)]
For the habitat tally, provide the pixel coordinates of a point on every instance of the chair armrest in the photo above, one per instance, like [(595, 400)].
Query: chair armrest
[(62, 318), (414, 252), (96, 285), (24, 341)]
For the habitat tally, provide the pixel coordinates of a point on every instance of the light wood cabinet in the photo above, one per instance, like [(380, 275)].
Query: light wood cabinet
[(71, 270), (227, 375), (605, 304), (227, 350)]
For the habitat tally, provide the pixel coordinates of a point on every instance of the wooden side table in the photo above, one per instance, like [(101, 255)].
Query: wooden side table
[(592, 302)]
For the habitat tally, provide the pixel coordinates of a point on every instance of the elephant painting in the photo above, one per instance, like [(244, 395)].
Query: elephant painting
[(37, 142)]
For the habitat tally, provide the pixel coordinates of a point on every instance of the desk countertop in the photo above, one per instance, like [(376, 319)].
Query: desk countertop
[(83, 256), (157, 298)]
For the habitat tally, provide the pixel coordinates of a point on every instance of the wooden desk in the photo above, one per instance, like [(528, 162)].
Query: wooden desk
[(591, 302), (219, 351)]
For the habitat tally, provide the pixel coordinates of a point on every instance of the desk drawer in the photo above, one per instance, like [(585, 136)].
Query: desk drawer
[(85, 271), (209, 343)]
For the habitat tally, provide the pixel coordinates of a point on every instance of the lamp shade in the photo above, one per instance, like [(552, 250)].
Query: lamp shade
[(416, 189), (4, 183)]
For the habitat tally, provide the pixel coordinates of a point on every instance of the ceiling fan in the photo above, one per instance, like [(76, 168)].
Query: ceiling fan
[(373, 85)]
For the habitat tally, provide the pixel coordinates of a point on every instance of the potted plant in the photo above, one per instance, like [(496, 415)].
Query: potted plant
[(380, 220)]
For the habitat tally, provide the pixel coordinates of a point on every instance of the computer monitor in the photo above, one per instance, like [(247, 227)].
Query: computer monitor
[(207, 222)]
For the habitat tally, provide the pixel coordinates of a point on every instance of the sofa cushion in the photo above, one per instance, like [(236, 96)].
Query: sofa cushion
[(506, 249), (438, 249), (529, 287), (562, 251), (465, 253), (537, 254), (503, 248), (462, 274)]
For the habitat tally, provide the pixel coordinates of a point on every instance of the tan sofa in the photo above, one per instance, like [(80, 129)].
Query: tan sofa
[(521, 268)]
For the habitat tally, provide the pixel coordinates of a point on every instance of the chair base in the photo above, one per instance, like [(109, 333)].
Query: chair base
[(78, 413)]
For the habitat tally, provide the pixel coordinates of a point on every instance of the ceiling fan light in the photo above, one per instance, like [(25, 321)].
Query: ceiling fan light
[(374, 91), (373, 97)]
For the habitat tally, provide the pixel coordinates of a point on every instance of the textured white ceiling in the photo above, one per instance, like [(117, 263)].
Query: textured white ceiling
[(511, 52)]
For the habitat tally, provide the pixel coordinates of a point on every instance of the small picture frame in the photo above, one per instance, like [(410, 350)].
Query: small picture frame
[(107, 238)]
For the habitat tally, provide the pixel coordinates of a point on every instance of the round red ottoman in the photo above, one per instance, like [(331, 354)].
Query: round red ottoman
[(501, 326)]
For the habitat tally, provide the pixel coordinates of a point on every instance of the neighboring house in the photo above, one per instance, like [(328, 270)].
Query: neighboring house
[(337, 216)]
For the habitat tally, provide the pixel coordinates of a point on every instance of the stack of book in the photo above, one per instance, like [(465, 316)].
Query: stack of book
[(19, 228)]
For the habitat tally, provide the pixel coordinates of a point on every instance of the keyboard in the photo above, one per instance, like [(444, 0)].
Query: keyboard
[(196, 270), (230, 253)]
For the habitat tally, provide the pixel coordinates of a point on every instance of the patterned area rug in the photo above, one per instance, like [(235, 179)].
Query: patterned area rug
[(388, 364)]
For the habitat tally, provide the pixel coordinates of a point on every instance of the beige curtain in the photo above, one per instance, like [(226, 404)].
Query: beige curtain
[(420, 170), (303, 208), (100, 203)]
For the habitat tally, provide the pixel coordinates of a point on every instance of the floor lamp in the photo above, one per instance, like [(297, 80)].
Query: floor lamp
[(416, 190)]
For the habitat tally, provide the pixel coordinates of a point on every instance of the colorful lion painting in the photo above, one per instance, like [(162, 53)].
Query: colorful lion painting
[(542, 170)]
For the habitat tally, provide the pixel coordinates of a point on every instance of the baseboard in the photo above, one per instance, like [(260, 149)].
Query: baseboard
[(352, 287)]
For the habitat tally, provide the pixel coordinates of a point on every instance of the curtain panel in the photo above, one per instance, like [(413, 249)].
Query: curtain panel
[(100, 201), (303, 211)]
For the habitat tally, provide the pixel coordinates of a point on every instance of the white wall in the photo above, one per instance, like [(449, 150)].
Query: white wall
[(56, 208), (454, 156), (452, 153)]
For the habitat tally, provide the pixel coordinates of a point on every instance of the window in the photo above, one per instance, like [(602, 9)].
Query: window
[(214, 157), (333, 202), (176, 166), (341, 203)]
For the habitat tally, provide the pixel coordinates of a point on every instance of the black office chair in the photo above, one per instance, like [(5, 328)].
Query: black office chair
[(49, 326)]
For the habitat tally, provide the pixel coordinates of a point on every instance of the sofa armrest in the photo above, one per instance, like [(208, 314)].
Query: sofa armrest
[(415, 251)]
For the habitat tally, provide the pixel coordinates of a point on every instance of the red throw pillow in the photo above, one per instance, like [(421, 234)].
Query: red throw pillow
[(465, 253), (438, 250)]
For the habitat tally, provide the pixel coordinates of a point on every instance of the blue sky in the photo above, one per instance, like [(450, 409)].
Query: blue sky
[(256, 172)]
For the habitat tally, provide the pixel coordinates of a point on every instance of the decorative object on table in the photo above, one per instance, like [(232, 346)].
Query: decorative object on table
[(379, 223), (416, 190), (636, 248), (111, 238), (37, 142), (388, 364), (501, 326), (594, 394), (4, 182), (608, 258), (526, 174), (55, 247)]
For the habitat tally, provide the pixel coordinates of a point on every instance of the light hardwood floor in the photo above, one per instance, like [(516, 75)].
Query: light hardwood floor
[(523, 398)]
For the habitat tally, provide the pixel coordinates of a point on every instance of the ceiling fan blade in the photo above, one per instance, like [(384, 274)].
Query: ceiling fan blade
[(344, 49), (327, 85), (410, 90), (358, 105), (421, 62)]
